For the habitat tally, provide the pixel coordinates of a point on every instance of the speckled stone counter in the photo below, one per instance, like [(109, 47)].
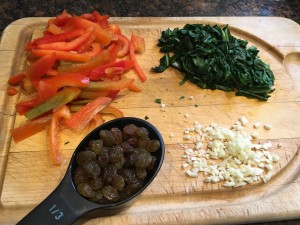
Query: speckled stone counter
[(12, 10)]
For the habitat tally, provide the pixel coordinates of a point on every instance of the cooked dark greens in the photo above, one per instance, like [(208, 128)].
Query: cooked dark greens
[(212, 58)]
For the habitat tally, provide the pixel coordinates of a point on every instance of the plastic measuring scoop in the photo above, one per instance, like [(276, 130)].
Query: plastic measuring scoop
[(66, 206)]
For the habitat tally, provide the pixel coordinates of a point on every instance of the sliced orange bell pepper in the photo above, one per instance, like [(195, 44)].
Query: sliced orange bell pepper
[(138, 44), (108, 55), (39, 68), (62, 55), (137, 68), (80, 119), (112, 110), (102, 36), (63, 113), (30, 128), (61, 19), (11, 91), (68, 46), (124, 42)]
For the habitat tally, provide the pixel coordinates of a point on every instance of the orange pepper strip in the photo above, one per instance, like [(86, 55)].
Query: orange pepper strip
[(53, 29), (80, 119), (136, 66), (63, 113), (124, 42), (108, 55), (39, 68), (68, 46), (134, 88), (62, 55), (102, 36), (112, 110), (30, 128), (96, 121)]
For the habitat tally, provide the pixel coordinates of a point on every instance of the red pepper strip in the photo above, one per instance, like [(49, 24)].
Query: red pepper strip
[(61, 98), (60, 20), (112, 110), (66, 79), (52, 72), (99, 72), (102, 36), (109, 85), (93, 94), (16, 79), (54, 38), (40, 67), (85, 46), (124, 42), (62, 55), (68, 46), (30, 128), (11, 91), (108, 55), (134, 88), (101, 20), (112, 71), (80, 119), (63, 113), (113, 94), (53, 29), (88, 16), (136, 66), (138, 44)]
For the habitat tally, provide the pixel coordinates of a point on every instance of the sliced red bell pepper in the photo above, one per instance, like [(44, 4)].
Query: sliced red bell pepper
[(114, 28), (80, 119), (124, 42), (68, 46), (138, 44), (63, 113), (104, 37), (54, 38), (97, 73), (137, 68), (40, 67), (112, 110), (109, 85), (61, 19), (62, 97), (30, 128), (67, 79), (62, 55), (16, 79), (102, 20), (11, 91), (108, 55)]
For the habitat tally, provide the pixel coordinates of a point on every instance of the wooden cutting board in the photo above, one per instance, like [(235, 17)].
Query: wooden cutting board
[(27, 176)]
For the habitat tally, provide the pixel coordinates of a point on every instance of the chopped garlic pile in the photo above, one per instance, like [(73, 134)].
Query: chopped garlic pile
[(229, 156)]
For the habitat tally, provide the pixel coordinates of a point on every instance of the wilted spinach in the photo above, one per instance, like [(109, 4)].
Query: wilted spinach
[(212, 58)]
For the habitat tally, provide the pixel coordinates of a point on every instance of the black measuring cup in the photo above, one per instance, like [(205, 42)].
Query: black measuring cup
[(66, 206)]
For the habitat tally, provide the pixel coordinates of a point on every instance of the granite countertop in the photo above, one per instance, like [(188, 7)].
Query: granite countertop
[(11, 10)]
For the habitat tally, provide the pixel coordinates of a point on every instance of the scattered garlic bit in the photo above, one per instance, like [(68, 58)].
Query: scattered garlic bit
[(162, 107), (267, 126), (256, 125), (191, 97), (171, 135), (279, 145), (243, 120), (186, 115), (229, 157)]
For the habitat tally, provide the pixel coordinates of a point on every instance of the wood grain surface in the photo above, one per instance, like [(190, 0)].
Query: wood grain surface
[(27, 176)]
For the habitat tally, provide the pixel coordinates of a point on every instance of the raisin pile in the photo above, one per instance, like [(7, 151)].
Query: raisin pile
[(114, 166)]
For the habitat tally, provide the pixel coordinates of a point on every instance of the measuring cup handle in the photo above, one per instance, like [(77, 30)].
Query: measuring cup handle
[(53, 210)]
